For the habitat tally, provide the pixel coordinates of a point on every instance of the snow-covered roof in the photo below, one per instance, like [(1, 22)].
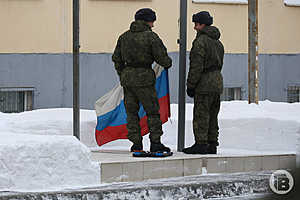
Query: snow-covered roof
[(292, 2), (286, 2), (222, 1)]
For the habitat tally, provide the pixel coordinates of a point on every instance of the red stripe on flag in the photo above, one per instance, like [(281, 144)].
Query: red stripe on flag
[(112, 133)]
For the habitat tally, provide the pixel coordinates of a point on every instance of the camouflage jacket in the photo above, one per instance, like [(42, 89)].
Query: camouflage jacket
[(206, 62), (135, 53)]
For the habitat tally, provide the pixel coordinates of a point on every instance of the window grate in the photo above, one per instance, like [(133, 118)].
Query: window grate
[(16, 101), (230, 94), (293, 94)]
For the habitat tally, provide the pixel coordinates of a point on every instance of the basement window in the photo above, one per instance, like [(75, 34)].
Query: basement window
[(293, 94), (231, 94), (222, 1), (15, 100)]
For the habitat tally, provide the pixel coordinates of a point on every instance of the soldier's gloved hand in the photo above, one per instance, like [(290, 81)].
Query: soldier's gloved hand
[(190, 92)]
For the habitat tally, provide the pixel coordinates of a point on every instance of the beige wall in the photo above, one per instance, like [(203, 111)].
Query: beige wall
[(104, 20), (38, 26), (44, 26), (230, 19), (279, 29)]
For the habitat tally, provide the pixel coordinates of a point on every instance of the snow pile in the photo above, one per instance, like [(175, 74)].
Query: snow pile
[(39, 146), (267, 128), (50, 122), (43, 162)]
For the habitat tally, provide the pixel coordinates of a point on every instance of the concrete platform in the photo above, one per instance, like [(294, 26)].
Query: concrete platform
[(120, 166)]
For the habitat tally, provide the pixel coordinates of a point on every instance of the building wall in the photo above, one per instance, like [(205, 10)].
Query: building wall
[(45, 26), (51, 76), (36, 45), (35, 26)]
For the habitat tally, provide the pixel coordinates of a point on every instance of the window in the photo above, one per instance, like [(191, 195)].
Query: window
[(14, 100), (293, 94), (230, 94), (292, 2), (222, 1)]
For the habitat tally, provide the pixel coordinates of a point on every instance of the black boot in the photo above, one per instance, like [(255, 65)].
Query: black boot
[(212, 148), (196, 149), (159, 147), (136, 147)]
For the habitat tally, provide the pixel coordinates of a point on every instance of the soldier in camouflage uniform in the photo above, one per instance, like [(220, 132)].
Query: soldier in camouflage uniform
[(133, 57), (205, 84)]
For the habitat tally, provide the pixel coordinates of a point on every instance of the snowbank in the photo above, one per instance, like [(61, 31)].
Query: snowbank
[(38, 145), (267, 128), (43, 162), (50, 122)]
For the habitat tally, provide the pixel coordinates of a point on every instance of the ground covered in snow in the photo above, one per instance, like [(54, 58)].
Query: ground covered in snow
[(38, 162), (267, 128), (38, 152)]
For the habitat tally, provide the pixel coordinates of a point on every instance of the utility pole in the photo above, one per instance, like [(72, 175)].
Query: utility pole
[(76, 83), (182, 75), (253, 51)]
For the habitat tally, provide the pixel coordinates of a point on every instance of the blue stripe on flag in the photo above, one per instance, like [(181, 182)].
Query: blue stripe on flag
[(118, 116)]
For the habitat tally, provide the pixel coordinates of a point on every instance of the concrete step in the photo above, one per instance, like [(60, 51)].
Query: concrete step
[(120, 166), (235, 185)]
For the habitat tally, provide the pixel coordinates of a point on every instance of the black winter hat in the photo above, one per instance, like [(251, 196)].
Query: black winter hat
[(203, 17), (145, 14)]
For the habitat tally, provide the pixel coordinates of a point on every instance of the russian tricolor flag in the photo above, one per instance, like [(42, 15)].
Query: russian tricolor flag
[(111, 113)]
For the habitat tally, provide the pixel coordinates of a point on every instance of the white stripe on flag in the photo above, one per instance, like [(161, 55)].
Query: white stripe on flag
[(112, 99)]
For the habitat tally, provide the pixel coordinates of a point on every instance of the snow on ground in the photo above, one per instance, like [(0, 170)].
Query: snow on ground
[(267, 128), (37, 152), (38, 146), (44, 162)]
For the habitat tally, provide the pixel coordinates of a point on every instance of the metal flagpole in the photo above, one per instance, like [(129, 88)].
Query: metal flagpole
[(182, 75), (253, 51), (76, 83)]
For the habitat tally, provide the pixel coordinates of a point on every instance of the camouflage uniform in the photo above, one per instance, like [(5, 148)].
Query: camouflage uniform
[(205, 78), (134, 55)]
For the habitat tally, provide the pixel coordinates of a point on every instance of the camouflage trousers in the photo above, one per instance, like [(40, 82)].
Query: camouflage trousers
[(205, 122), (147, 96)]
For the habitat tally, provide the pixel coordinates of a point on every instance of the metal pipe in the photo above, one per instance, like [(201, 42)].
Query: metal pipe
[(253, 88), (182, 75), (76, 83)]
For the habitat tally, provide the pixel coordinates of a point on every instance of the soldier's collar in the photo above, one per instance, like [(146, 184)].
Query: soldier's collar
[(199, 33)]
